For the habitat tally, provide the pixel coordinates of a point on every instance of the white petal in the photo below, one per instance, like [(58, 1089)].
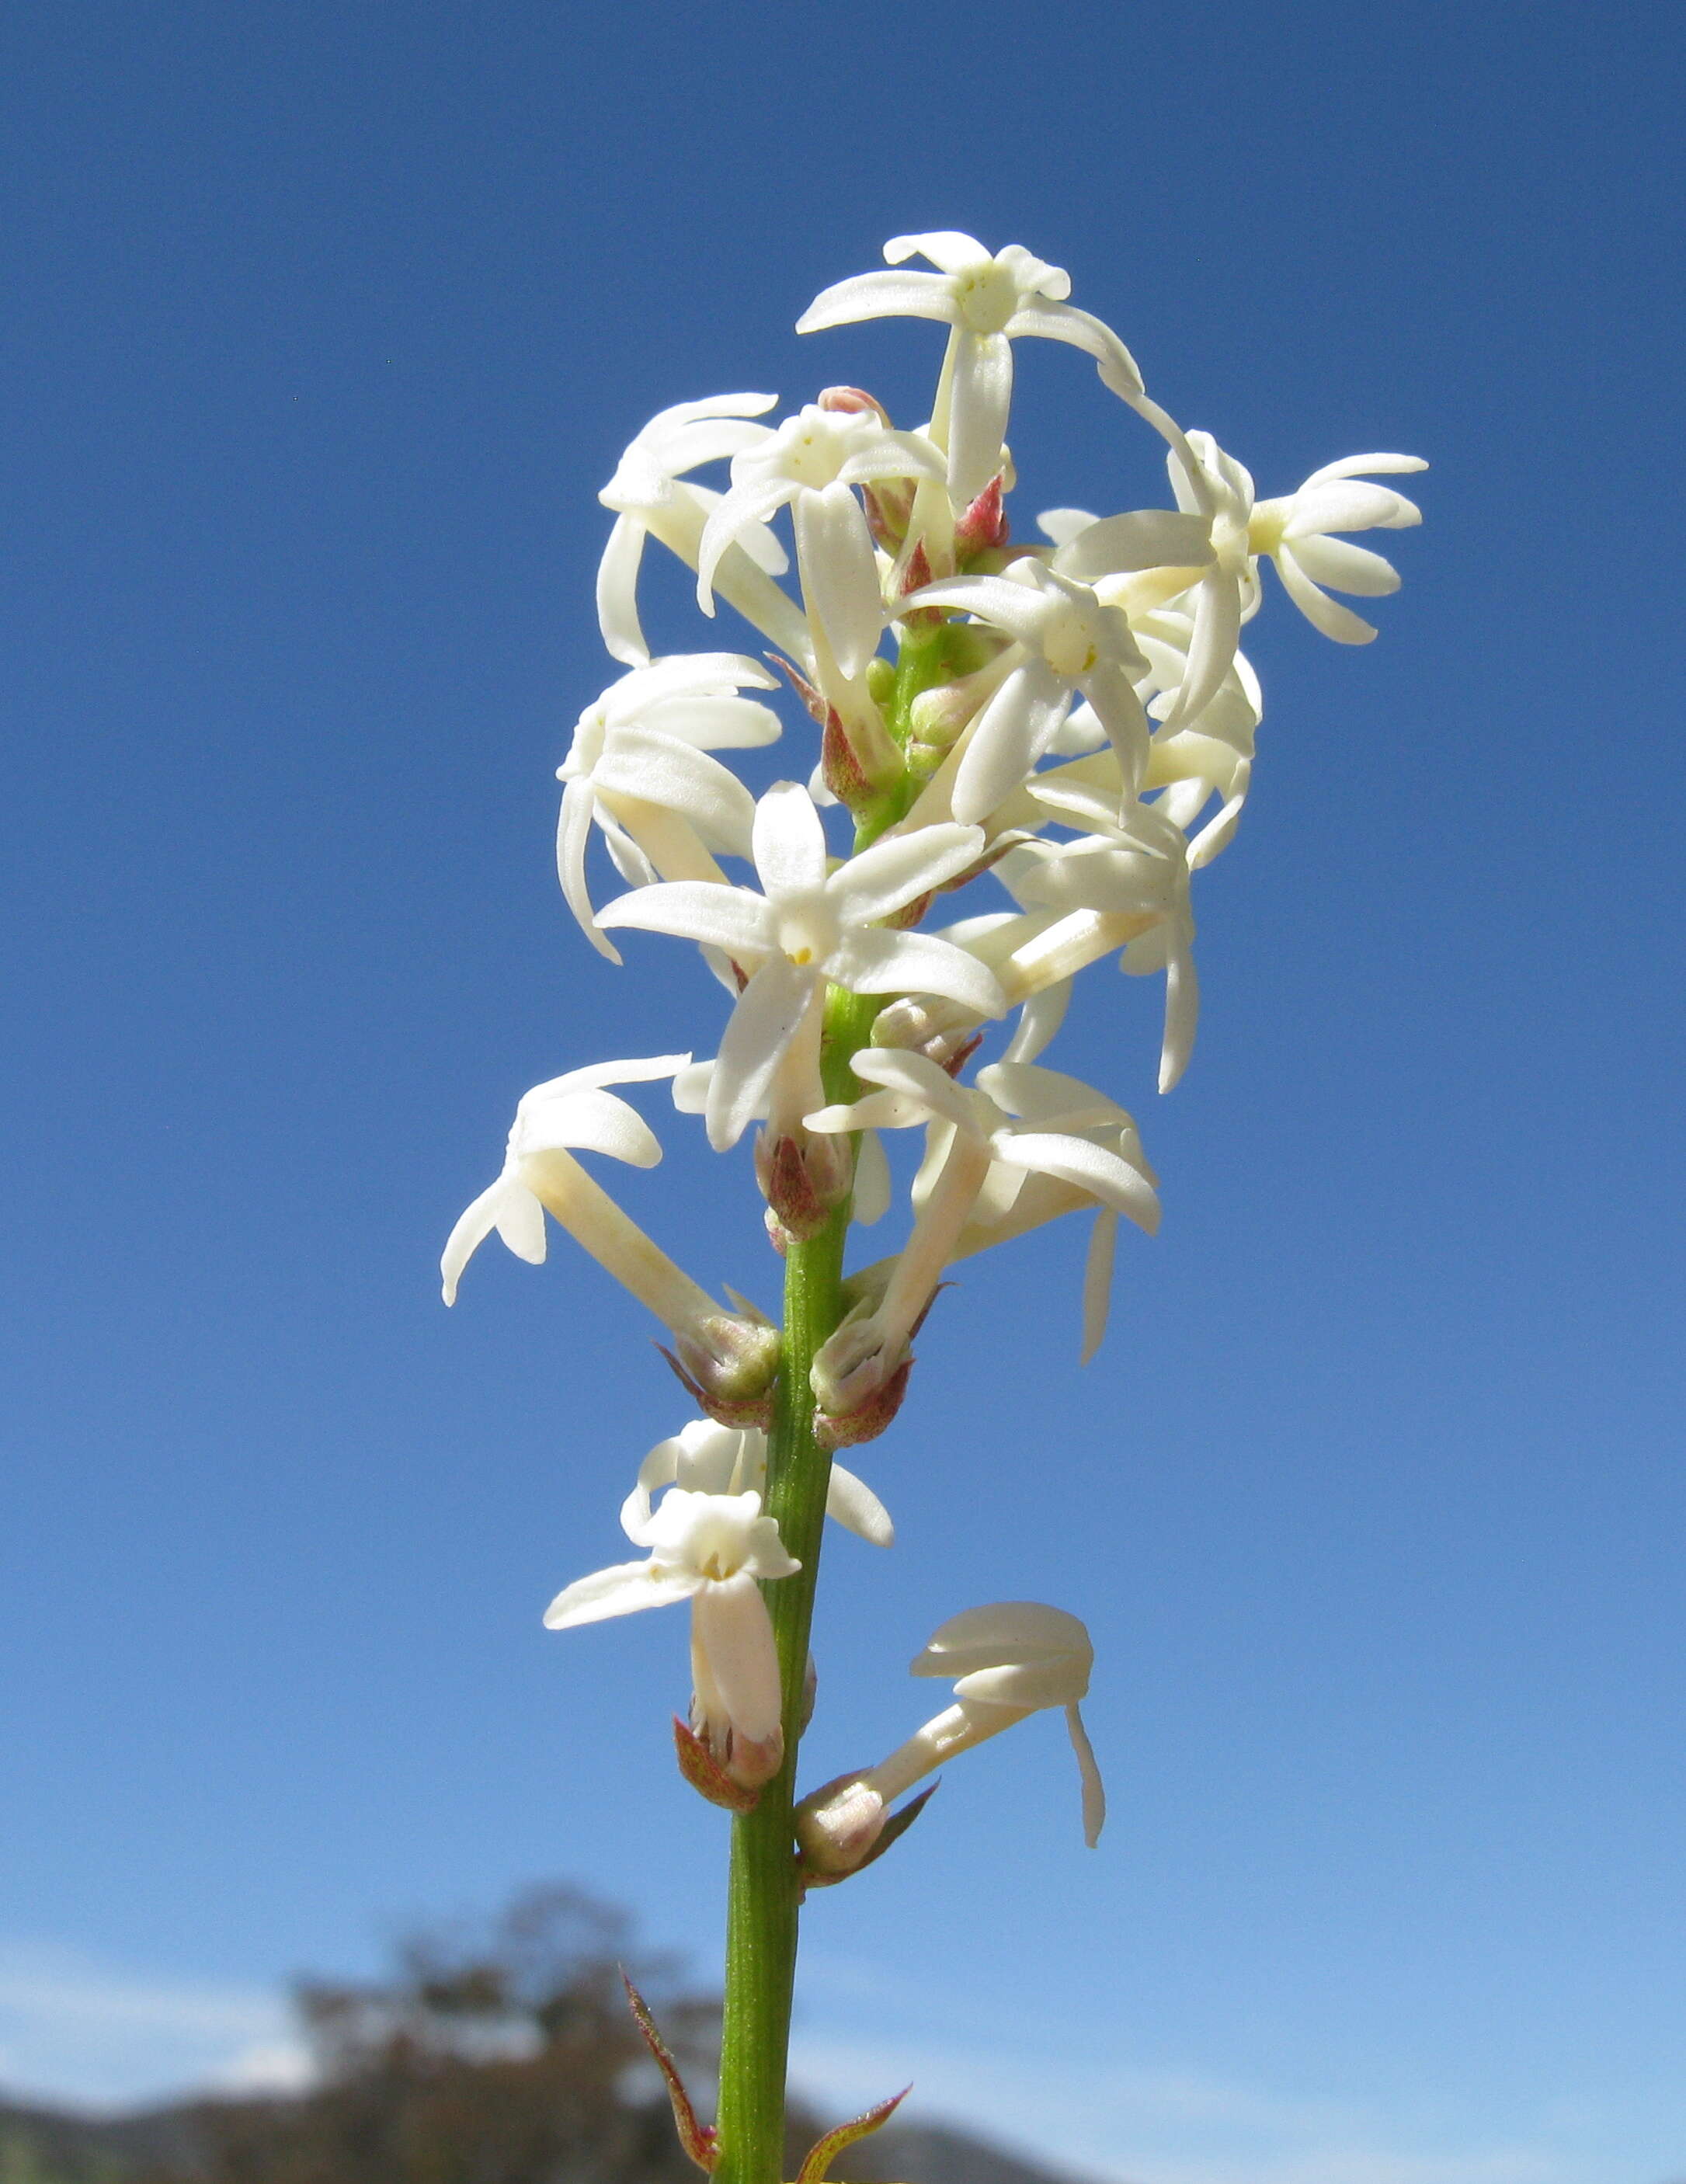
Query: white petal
[(617, 591), (1064, 322), (586, 1122), (1344, 567), (947, 248), (1181, 1015), (734, 1634), (1146, 538), (623, 1589), (854, 1505), (1217, 630), (871, 1201), (878, 296), (1362, 465), (1010, 734), (1119, 710), (1322, 612), (743, 508), (1348, 506), (834, 552), (1002, 1631), (476, 1224), (768, 1009), (1095, 1790), (727, 917), (661, 770), (1063, 525), (981, 394), (918, 1079), (1090, 1167), (789, 841), (1041, 1017), (1097, 1280), (870, 961), (894, 870), (573, 833)]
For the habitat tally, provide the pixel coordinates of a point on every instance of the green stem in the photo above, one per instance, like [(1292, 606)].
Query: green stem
[(762, 1899)]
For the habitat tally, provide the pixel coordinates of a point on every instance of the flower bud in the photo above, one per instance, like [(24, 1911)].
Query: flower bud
[(889, 506), (805, 1176), (984, 525), (728, 1361), (705, 1773), (839, 1824), (854, 401), (847, 1428)]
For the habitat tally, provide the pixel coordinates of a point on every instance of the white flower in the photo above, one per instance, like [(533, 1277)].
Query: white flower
[(1009, 1660), (1071, 642), (709, 1549), (1217, 487), (989, 301), (810, 465), (648, 499), (1294, 531), (1018, 1121), (707, 1458), (811, 927), (636, 766), (569, 1113), (1139, 867)]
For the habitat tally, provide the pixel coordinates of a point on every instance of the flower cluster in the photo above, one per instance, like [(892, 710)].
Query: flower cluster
[(1062, 730)]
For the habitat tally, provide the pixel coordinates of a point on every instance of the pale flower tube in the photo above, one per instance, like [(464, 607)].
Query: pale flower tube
[(709, 1549), (1009, 1660)]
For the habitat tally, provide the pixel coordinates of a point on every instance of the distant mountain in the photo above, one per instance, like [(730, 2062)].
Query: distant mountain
[(40, 2145), (931, 2153)]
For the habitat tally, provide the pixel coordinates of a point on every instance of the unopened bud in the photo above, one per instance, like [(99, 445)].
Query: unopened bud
[(853, 1420), (830, 1823), (705, 1774), (729, 1361), (983, 526), (805, 1176), (915, 577), (889, 506), (938, 1029), (839, 1824), (854, 401)]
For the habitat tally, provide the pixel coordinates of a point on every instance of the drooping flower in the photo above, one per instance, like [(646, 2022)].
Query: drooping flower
[(1295, 530), (650, 500), (637, 767), (1139, 868), (1009, 1660), (727, 1357), (709, 1549), (988, 300), (811, 927)]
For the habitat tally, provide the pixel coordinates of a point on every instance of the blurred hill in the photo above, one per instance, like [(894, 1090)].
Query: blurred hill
[(505, 2055)]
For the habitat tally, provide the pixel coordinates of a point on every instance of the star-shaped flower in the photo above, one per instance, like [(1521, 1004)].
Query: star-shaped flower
[(1295, 531), (810, 465), (809, 927), (990, 300)]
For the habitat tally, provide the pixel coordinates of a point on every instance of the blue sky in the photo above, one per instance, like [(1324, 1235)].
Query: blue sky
[(326, 326)]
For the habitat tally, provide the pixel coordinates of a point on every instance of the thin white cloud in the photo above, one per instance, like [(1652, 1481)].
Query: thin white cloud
[(76, 2029), (1127, 2126)]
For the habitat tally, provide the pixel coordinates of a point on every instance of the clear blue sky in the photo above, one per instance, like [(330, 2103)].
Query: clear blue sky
[(324, 326)]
